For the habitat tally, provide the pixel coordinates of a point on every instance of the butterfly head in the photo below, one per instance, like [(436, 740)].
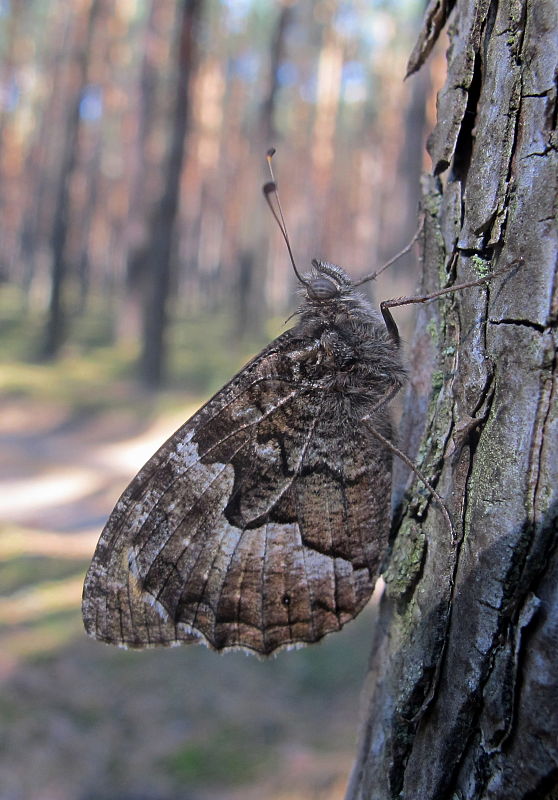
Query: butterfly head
[(327, 281)]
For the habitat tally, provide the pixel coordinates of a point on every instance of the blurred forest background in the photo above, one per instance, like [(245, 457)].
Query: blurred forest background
[(136, 254)]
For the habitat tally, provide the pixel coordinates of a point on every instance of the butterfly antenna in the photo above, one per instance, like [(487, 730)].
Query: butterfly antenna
[(395, 258), (269, 189)]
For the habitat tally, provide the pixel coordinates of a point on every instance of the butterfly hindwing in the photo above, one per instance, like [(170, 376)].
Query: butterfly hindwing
[(256, 525)]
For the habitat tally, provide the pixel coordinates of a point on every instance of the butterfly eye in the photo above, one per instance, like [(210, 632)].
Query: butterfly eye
[(322, 289)]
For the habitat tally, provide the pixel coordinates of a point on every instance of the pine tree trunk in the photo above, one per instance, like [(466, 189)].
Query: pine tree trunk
[(463, 684), (55, 328), (162, 223), (251, 305)]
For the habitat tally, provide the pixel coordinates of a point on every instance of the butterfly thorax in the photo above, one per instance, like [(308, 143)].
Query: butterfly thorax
[(347, 351)]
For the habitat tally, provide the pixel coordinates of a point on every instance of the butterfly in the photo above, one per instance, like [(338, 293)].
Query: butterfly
[(261, 523)]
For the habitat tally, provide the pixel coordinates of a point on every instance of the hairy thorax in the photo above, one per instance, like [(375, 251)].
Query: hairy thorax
[(349, 356)]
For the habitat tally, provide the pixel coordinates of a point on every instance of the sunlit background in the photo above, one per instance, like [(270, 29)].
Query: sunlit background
[(139, 269)]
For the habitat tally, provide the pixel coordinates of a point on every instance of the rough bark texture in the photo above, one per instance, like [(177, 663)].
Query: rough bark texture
[(463, 685)]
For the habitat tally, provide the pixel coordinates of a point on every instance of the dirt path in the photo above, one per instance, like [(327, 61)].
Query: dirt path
[(59, 479), (64, 475)]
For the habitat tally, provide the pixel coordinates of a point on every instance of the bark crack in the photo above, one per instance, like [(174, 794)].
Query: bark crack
[(527, 323), (550, 148)]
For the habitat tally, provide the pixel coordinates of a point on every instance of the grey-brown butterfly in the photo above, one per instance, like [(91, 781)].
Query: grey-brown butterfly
[(261, 523)]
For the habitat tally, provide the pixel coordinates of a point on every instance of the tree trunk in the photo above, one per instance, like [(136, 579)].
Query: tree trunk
[(251, 305), (163, 220), (464, 671), (145, 180), (55, 329)]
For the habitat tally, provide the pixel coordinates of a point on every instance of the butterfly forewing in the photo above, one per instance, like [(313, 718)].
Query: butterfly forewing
[(257, 525)]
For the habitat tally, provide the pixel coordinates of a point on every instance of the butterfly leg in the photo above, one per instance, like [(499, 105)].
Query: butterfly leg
[(406, 460), (385, 305)]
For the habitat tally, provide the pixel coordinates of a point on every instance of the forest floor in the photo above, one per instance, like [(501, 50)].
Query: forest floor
[(83, 721)]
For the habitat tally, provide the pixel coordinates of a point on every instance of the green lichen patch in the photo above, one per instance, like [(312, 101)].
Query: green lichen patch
[(481, 267), (406, 560)]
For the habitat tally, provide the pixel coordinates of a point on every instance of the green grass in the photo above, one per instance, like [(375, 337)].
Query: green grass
[(20, 572), (35, 641), (224, 757), (96, 372)]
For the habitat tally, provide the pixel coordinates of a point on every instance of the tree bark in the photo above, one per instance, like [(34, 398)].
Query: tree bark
[(463, 697)]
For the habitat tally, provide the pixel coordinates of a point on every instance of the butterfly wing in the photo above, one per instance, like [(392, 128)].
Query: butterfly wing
[(256, 525)]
